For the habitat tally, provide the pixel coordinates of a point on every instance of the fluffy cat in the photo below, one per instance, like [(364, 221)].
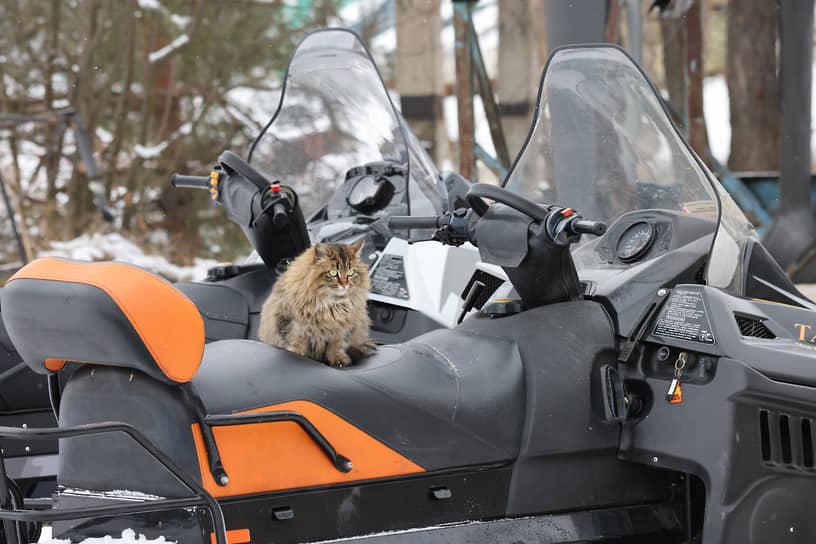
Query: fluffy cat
[(317, 308)]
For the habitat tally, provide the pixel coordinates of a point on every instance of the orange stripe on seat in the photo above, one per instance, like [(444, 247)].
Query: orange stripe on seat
[(236, 536), (280, 455), (167, 322)]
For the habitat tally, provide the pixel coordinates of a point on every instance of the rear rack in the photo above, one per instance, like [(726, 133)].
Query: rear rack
[(11, 513)]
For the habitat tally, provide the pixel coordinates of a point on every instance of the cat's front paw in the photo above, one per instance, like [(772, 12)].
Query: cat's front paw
[(339, 360), (363, 350), (369, 347)]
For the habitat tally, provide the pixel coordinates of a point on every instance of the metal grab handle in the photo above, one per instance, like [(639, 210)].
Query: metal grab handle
[(341, 463)]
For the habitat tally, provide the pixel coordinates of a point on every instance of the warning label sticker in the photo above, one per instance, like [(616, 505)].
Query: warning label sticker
[(388, 277), (684, 317)]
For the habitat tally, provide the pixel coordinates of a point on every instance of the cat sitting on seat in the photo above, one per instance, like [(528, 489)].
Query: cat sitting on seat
[(317, 308)]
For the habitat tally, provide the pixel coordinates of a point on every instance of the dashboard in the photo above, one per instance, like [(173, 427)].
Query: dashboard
[(645, 234)]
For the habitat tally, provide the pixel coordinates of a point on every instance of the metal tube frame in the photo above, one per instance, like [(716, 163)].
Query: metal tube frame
[(11, 512)]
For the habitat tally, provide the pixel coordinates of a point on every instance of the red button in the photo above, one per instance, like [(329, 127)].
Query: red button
[(275, 188), (566, 212)]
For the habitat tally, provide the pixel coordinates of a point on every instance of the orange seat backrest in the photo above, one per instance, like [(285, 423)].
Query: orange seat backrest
[(104, 313)]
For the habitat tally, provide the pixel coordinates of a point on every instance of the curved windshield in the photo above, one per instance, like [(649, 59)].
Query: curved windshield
[(334, 115), (602, 143)]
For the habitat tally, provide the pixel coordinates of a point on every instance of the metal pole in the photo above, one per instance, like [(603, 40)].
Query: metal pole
[(634, 23), (794, 226), (795, 73), (464, 86)]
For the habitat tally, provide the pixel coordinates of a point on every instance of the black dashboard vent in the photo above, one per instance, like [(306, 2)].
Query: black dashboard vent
[(786, 440), (699, 276), (753, 326), (491, 283)]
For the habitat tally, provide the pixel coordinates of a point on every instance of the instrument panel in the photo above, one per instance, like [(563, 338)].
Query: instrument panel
[(645, 234), (635, 241)]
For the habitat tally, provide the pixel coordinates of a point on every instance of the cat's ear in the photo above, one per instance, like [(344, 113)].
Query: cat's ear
[(321, 251), (357, 247)]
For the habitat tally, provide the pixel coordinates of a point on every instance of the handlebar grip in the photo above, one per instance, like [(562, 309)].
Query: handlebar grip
[(589, 227), (409, 222), (192, 182), (279, 216)]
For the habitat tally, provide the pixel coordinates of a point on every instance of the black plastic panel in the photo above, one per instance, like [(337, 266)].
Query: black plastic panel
[(567, 458), (224, 310), (749, 439), (115, 461), (393, 324), (374, 507)]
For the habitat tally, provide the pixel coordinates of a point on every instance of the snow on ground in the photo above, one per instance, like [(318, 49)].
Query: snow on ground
[(114, 246), (128, 537)]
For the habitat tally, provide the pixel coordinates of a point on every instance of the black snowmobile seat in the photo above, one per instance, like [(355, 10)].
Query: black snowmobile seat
[(442, 400), (58, 310)]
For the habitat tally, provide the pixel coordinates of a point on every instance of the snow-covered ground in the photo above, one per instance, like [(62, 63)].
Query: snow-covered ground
[(127, 537), (115, 247)]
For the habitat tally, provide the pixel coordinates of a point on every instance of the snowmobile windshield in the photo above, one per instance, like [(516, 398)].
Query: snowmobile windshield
[(334, 115), (602, 143)]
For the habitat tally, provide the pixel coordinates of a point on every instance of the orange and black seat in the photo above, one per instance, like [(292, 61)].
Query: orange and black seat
[(443, 400)]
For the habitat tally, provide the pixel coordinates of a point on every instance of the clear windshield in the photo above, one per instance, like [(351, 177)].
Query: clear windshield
[(335, 114), (602, 143)]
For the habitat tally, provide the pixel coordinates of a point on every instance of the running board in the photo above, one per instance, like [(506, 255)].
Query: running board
[(645, 523)]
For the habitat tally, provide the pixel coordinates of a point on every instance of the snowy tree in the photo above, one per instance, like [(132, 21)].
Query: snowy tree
[(161, 86)]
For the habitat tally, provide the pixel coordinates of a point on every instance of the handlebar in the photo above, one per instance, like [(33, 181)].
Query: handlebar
[(280, 217), (582, 226), (192, 182), (408, 222)]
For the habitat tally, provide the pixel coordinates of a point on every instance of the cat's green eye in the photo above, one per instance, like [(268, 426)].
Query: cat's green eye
[(333, 273), (350, 272)]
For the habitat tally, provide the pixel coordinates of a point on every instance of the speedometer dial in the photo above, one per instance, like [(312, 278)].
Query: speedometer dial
[(635, 241)]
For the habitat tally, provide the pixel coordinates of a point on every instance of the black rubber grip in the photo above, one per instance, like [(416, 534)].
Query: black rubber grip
[(408, 222), (589, 227), (192, 182), (279, 216)]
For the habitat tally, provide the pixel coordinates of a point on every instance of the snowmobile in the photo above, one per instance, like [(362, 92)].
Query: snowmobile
[(645, 374), (352, 164)]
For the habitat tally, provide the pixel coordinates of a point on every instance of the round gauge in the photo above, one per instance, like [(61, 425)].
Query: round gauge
[(635, 241), (364, 193)]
